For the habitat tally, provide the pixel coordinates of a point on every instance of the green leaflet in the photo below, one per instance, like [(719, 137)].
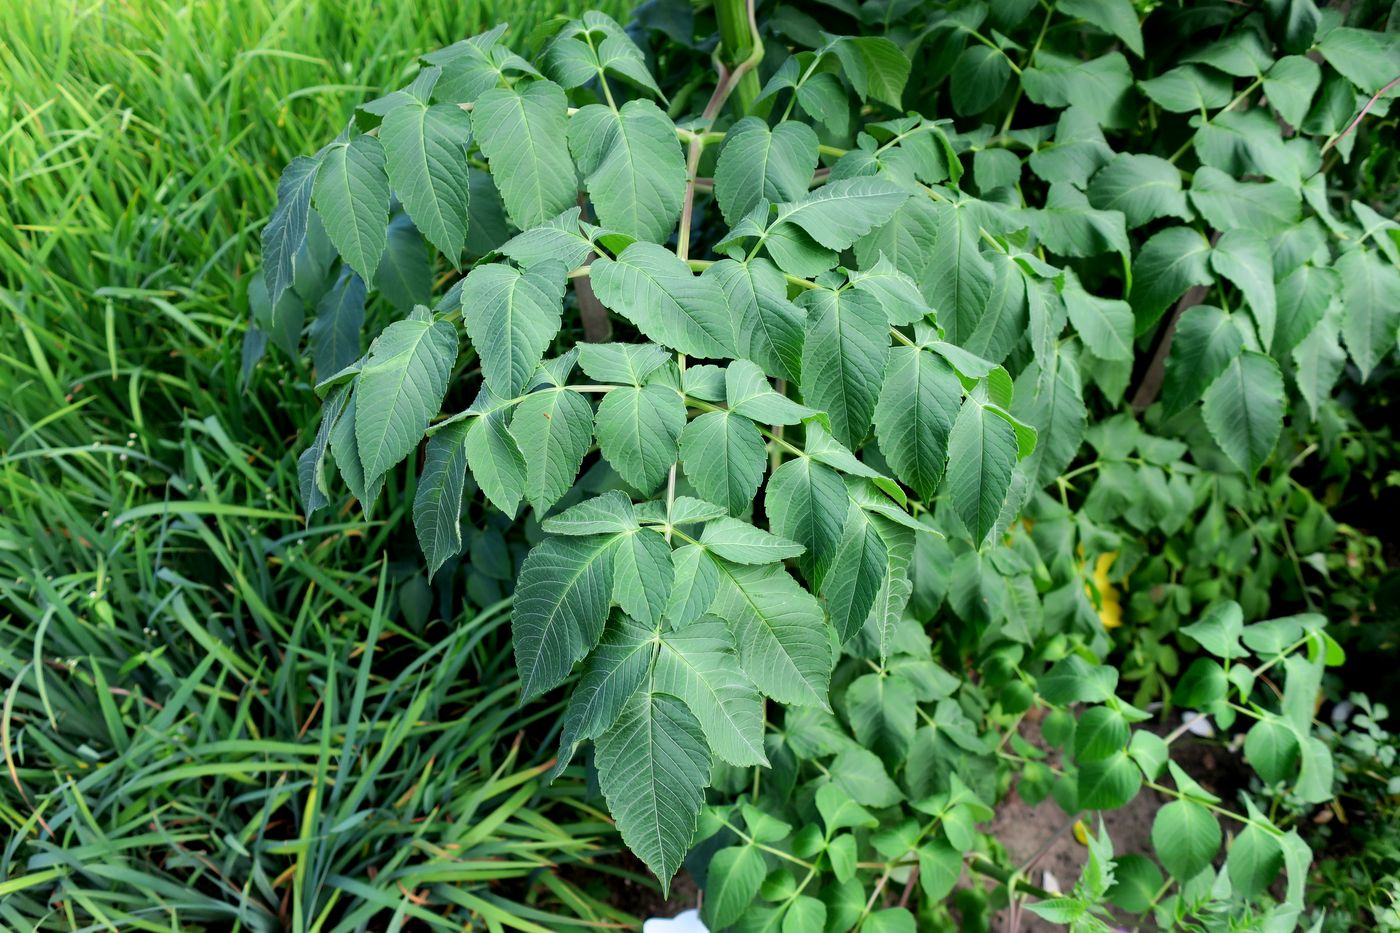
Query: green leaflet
[(286, 228), (405, 276), (840, 212), (639, 432), (806, 502), (558, 240), (1318, 361), (655, 290), (437, 505), (876, 67), (605, 514), (553, 429), (918, 402), (1303, 298), (643, 574), (748, 393), (1051, 400), (741, 543), (1143, 187), (883, 713), (768, 328), (345, 449), (1100, 86), (593, 46), (511, 317), (857, 571), (351, 194), (521, 131), (1206, 341), (843, 358), (979, 77), (626, 363), (401, 387), (1188, 89), (981, 456), (897, 293), (698, 665), (735, 874), (561, 603), (311, 463), (1266, 208), (697, 582), (613, 672), (1116, 17), (757, 163), (495, 460), (1104, 324), (426, 152), (1170, 262), (335, 331), (1243, 257), (1370, 312), (632, 165), (783, 639), (724, 459), (1243, 409), (907, 240), (1186, 837), (1068, 226), (1078, 151), (653, 767)]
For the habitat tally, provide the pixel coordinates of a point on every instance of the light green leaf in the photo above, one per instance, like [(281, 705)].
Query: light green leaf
[(876, 67), (1170, 262), (782, 635), (697, 582), (843, 358), (613, 672), (806, 502), (553, 429), (653, 767), (1243, 409), (1303, 298), (561, 603), (1116, 17), (625, 363), (1100, 85), (1266, 208), (285, 233), (1254, 860), (425, 149), (1186, 837), (1188, 89), (741, 543), (1108, 783), (840, 212), (1290, 85), (1318, 361), (511, 317), (1370, 309), (757, 163), (401, 387), (981, 456), (495, 461), (881, 710), (521, 131), (559, 240), (1143, 187), (734, 876), (639, 431), (611, 512), (918, 403), (1104, 324), (1362, 56), (897, 293), (748, 393), (857, 570), (908, 240), (1243, 257), (1052, 401), (768, 328), (655, 290), (1206, 341), (724, 459), (1100, 733), (698, 665), (351, 194), (1077, 152), (643, 575), (633, 167), (437, 505)]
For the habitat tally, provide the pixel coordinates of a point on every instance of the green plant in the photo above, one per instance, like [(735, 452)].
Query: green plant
[(900, 365)]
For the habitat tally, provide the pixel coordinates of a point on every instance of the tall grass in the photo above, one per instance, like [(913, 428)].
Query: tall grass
[(213, 716)]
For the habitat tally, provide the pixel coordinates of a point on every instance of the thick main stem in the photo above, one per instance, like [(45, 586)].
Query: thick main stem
[(736, 37)]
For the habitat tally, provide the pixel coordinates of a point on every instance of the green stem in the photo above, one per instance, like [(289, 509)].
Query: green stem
[(738, 44)]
